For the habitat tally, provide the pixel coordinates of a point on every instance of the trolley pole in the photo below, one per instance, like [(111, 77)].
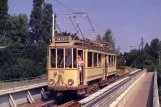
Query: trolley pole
[(53, 29)]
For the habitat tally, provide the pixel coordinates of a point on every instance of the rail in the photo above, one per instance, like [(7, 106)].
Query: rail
[(155, 91), (108, 97), (12, 85)]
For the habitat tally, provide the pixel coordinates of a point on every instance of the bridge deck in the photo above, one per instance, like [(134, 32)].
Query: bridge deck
[(140, 94)]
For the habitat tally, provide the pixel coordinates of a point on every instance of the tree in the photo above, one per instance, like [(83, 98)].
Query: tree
[(146, 48), (108, 37), (98, 38), (17, 28), (3, 16), (154, 48), (47, 23), (36, 19), (120, 60)]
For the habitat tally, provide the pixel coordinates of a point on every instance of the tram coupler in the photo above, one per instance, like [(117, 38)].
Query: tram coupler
[(59, 94)]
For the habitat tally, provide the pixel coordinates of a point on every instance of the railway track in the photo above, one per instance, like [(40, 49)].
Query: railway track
[(71, 104)]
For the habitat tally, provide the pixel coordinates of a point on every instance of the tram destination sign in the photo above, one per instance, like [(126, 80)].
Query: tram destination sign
[(62, 39)]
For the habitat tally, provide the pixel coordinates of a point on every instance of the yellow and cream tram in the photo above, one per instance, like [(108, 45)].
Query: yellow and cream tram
[(66, 74)]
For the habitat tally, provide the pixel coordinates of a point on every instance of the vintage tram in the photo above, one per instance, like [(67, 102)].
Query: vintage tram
[(81, 66)]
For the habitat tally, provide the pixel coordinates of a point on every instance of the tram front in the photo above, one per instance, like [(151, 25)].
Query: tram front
[(62, 67)]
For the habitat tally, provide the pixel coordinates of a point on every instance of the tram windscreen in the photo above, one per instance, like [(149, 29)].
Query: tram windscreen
[(60, 58), (64, 58), (53, 58)]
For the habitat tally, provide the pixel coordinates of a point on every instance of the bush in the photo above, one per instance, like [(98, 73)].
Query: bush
[(22, 61), (151, 68), (121, 67)]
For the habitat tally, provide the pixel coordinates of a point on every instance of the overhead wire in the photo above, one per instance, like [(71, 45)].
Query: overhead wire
[(64, 5), (91, 22)]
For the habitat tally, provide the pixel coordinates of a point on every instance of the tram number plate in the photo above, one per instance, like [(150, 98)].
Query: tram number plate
[(62, 39)]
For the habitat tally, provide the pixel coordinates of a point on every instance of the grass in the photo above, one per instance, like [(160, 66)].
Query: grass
[(120, 71)]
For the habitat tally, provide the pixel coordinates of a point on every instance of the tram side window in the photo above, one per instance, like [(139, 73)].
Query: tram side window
[(109, 60), (95, 59), (60, 58), (90, 59), (114, 60), (99, 60), (74, 58), (53, 58)]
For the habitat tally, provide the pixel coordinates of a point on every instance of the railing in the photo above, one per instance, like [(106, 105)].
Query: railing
[(155, 91), (11, 85), (108, 97)]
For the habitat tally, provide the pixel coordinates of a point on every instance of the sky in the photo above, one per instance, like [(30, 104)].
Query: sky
[(129, 20)]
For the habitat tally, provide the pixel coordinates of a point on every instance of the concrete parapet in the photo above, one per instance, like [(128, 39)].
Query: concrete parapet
[(20, 97), (125, 96)]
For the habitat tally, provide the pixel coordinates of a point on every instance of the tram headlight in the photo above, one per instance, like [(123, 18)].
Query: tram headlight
[(70, 82), (51, 81)]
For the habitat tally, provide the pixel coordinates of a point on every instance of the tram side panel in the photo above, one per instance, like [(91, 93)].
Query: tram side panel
[(94, 73)]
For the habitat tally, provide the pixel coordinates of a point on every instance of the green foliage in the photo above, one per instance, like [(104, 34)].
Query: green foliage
[(98, 38), (154, 48), (4, 41), (3, 16), (150, 55), (151, 68), (108, 37), (22, 61), (120, 60), (36, 19), (17, 28), (47, 23)]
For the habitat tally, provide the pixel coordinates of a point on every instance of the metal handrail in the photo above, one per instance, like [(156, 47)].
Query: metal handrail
[(108, 97), (155, 91)]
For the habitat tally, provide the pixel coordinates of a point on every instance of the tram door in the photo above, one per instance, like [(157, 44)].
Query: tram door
[(81, 66)]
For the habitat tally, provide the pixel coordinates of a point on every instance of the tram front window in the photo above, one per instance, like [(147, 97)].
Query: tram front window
[(60, 57), (68, 59), (53, 58)]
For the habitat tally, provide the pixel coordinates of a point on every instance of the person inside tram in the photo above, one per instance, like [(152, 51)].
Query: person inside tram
[(68, 59)]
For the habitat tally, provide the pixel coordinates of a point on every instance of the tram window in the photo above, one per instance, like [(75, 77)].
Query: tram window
[(114, 60), (90, 59), (74, 58), (99, 60), (60, 58), (95, 59), (109, 60), (68, 58), (53, 58)]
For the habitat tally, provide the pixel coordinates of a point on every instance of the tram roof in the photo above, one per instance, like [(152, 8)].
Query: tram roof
[(66, 41)]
